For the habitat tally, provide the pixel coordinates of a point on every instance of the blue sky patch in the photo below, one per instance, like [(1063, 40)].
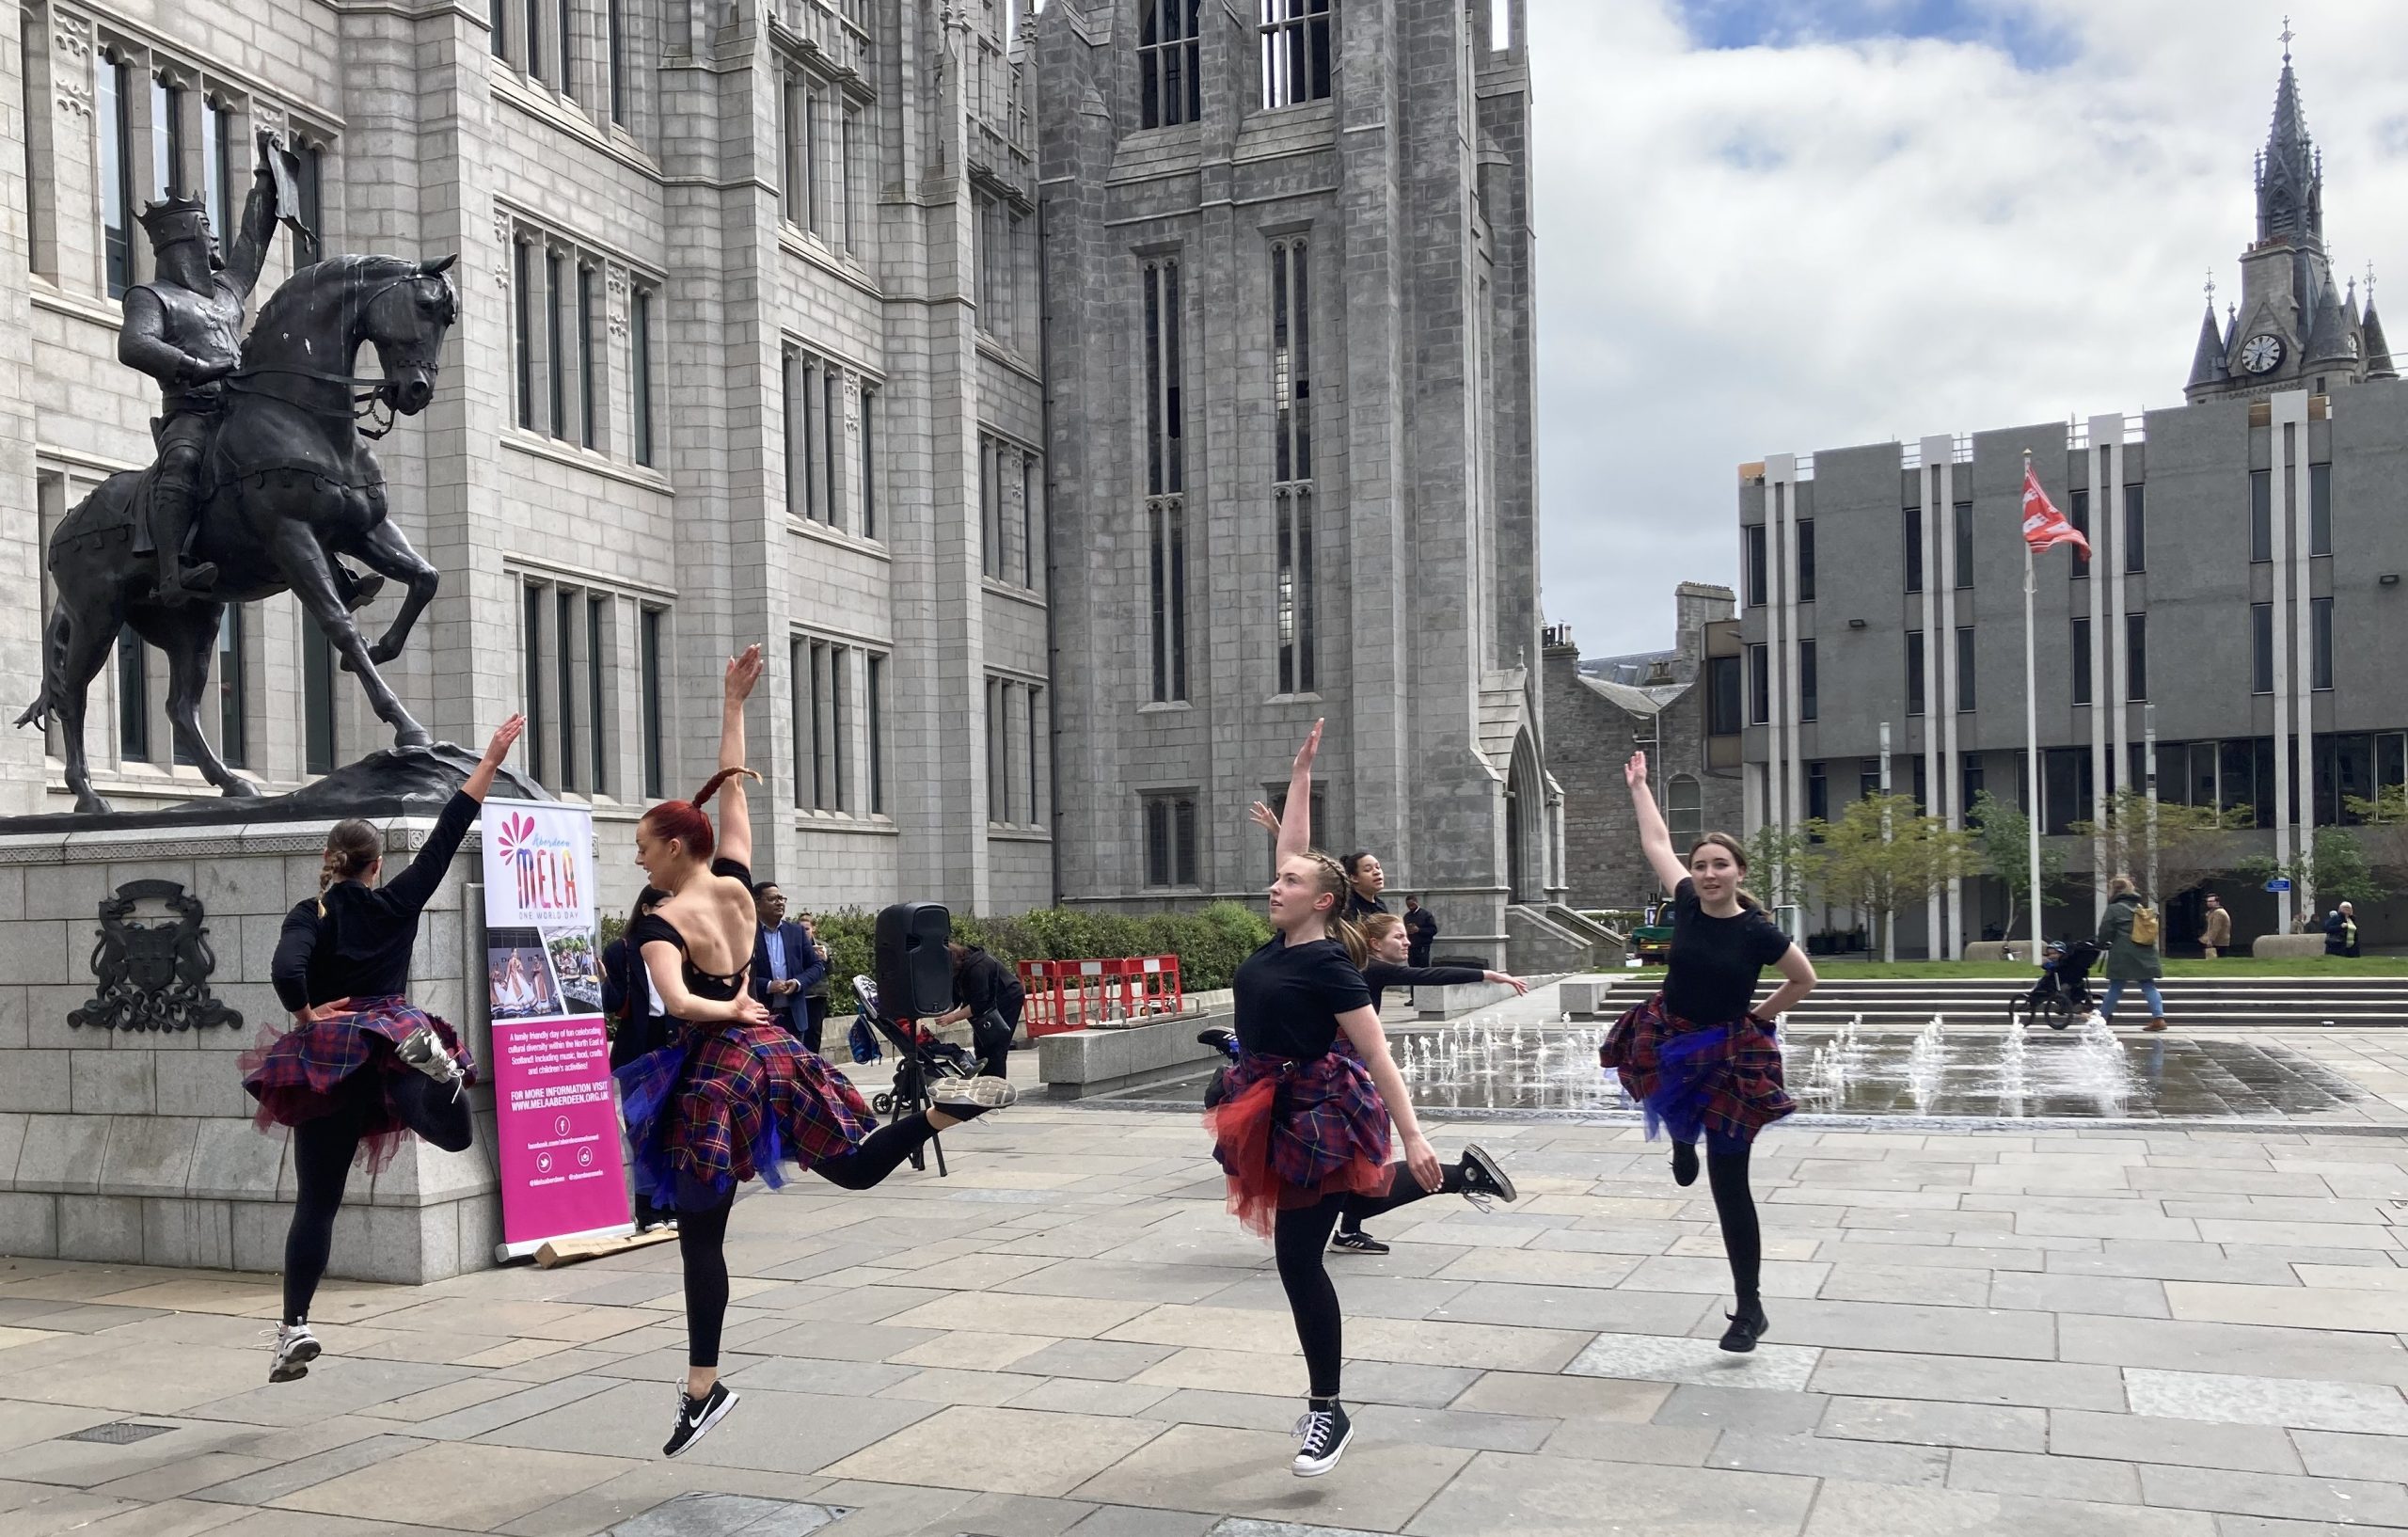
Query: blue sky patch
[(2003, 24)]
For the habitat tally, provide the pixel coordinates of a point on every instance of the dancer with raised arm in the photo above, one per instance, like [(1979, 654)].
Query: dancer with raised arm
[(1697, 1055), (362, 1066), (732, 1093), (1303, 1132)]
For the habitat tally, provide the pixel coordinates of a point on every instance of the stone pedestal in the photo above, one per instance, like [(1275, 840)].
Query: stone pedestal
[(137, 1145)]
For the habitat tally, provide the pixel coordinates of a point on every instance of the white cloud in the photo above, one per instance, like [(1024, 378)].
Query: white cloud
[(1765, 250)]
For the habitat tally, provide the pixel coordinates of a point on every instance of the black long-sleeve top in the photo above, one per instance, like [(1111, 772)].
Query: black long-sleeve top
[(362, 948), (1383, 974)]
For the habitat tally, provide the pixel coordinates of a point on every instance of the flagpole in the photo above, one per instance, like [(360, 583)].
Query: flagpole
[(2032, 737)]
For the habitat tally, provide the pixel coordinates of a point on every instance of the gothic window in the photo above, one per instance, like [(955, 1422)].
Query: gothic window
[(1294, 37), (1170, 838), (640, 375), (115, 81), (216, 167), (1291, 494), (1684, 811), (233, 690), (1169, 60), (166, 137), (1166, 479), (522, 296), (615, 46)]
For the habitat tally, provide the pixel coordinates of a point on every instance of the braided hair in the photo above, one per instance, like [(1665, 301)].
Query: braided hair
[(683, 820), (1329, 877), (352, 847)]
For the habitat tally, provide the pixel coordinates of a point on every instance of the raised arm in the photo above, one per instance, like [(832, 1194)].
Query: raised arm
[(410, 890), (1296, 816), (734, 813), (248, 253), (1653, 836)]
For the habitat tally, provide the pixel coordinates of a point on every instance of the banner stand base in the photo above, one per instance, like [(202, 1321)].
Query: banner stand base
[(504, 1253)]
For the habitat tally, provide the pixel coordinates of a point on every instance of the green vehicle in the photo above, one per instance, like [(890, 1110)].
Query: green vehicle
[(1651, 938)]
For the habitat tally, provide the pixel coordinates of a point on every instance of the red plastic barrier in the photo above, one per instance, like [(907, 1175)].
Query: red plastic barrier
[(1085, 994)]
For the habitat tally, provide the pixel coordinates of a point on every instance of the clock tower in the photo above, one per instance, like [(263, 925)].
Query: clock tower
[(2294, 327)]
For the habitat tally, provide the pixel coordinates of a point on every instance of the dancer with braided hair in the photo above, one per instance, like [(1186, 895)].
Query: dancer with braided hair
[(1302, 1133), (362, 1066), (733, 1094), (1697, 1055)]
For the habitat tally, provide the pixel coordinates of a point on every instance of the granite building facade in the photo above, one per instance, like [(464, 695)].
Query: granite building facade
[(2248, 551), (1288, 258), (748, 350)]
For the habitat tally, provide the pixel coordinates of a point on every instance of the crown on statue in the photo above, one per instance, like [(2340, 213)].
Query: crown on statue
[(176, 219)]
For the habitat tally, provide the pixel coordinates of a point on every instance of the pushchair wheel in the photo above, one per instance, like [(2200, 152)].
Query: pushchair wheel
[(2057, 1012), (883, 1102)]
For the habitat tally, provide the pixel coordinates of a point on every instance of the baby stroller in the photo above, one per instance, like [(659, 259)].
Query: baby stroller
[(2062, 995), (921, 1057)]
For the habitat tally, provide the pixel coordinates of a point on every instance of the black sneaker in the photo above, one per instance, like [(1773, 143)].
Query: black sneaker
[(966, 1098), (1747, 1326), (695, 1416), (1359, 1242), (1326, 1432), (1221, 1038), (1484, 1178), (1685, 1163)]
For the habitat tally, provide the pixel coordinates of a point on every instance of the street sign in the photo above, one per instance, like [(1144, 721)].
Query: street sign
[(2279, 883)]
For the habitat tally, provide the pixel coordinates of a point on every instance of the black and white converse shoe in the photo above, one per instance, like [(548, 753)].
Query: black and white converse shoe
[(1359, 1242), (296, 1348), (1484, 1178), (1221, 1038), (423, 1050), (1326, 1429), (696, 1416), (965, 1098)]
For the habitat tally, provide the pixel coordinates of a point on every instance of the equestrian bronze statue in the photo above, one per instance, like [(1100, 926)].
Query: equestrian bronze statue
[(264, 476)]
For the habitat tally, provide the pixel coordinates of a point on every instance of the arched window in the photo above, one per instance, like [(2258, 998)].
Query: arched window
[(1169, 56), (1684, 812)]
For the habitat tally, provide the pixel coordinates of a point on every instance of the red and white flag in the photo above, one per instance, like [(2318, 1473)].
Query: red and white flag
[(2044, 527)]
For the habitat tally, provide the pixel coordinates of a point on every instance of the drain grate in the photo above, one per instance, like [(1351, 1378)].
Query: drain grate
[(122, 1432)]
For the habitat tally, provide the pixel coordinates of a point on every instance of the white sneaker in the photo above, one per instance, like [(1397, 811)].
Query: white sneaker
[(964, 1099), (296, 1348), (425, 1051)]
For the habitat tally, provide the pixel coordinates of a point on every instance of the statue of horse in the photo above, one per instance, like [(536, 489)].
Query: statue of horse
[(289, 483)]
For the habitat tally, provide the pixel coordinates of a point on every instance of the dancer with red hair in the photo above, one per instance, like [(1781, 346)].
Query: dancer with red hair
[(733, 1094)]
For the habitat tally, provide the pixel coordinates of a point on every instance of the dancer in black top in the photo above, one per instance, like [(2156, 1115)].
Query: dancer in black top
[(1386, 937), (733, 1094), (1364, 881), (638, 1025), (1695, 1055), (362, 1067), (1302, 1134)]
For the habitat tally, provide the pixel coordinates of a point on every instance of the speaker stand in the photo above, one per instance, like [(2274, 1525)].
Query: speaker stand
[(911, 1097)]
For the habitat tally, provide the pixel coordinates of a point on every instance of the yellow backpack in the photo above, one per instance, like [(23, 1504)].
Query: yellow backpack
[(2145, 924)]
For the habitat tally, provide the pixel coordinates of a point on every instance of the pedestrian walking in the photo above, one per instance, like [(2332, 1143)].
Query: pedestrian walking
[(362, 1067), (2129, 933), (1420, 932), (1702, 1061), (1302, 1133), (2216, 937)]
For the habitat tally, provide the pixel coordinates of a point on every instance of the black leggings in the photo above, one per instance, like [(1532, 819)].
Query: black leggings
[(1726, 1175), (701, 1225), (322, 1150), (1298, 1238)]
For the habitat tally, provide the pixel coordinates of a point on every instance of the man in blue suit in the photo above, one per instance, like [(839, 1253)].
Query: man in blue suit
[(785, 965)]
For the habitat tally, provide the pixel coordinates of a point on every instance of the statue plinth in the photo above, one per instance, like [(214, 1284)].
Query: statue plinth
[(395, 782)]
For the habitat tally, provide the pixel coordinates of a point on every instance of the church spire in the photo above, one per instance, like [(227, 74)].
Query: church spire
[(2206, 363), (2290, 179), (2378, 350)]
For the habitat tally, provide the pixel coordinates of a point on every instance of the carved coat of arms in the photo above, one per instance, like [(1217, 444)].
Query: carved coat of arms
[(153, 963)]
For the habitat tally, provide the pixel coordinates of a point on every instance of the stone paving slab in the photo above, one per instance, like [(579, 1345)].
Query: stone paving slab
[(2167, 1332)]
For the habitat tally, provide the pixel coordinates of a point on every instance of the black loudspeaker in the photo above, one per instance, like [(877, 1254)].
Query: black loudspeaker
[(914, 972)]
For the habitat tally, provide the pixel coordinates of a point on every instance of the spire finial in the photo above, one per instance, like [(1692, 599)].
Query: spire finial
[(2211, 289), (2287, 38), (2369, 281)]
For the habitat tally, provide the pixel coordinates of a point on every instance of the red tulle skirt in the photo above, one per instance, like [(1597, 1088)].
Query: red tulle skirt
[(1291, 1134), (306, 1072)]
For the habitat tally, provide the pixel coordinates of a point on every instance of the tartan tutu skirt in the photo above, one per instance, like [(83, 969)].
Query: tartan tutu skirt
[(309, 1071), (724, 1105), (1291, 1133), (1692, 1078)]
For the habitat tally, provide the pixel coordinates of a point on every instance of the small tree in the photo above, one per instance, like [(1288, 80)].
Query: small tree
[(2195, 844), (1781, 863), (1875, 871), (2002, 841)]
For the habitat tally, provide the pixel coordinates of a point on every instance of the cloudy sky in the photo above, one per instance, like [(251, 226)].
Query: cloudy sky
[(1775, 226)]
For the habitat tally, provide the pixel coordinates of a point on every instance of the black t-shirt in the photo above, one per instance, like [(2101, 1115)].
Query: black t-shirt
[(702, 984), (1288, 997), (360, 947), (984, 983), (1716, 960), (1360, 906)]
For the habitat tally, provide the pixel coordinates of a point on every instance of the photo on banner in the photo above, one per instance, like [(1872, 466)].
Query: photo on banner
[(556, 1111)]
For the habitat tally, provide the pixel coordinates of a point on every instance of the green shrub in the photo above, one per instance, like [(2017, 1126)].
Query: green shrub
[(1209, 944)]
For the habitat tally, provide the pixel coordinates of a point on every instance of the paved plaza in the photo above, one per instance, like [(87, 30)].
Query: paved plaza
[(2177, 1332)]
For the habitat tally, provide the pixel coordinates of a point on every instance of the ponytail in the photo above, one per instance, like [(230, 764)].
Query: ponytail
[(1350, 935), (352, 847), (711, 785), (683, 821)]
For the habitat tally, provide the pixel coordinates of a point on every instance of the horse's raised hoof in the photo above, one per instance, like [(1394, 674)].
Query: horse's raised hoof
[(383, 652), (92, 805), (240, 789), (362, 592)]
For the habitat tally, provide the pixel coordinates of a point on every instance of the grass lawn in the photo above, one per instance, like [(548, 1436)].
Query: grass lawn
[(1836, 969)]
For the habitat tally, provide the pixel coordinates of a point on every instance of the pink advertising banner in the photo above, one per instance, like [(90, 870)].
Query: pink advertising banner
[(556, 1111)]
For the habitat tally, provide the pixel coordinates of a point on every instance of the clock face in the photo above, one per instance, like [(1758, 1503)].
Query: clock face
[(2260, 352)]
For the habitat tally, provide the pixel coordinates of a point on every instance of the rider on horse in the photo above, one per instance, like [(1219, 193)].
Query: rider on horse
[(184, 328)]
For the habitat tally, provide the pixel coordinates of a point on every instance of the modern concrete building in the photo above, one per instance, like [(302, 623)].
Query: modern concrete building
[(1683, 706), (1288, 254), (2249, 550), (748, 350)]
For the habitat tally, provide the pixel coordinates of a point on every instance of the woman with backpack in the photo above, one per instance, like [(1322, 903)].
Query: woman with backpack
[(2129, 933)]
